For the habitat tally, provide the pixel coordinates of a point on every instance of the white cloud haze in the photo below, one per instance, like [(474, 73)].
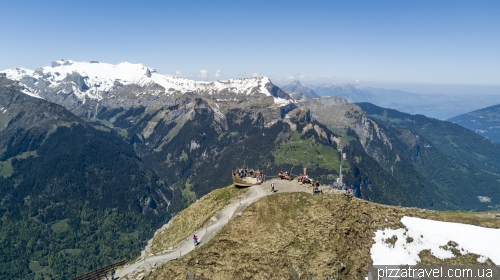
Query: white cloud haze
[(203, 74)]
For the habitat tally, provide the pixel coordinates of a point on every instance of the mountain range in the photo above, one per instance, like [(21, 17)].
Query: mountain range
[(439, 105), (178, 127), (112, 139)]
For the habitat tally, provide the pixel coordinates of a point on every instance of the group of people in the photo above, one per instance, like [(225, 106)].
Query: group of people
[(285, 175), (245, 172), (304, 179)]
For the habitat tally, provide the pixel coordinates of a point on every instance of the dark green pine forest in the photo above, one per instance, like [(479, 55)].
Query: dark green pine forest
[(73, 198)]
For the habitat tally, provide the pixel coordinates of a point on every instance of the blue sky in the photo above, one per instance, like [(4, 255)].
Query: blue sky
[(368, 42)]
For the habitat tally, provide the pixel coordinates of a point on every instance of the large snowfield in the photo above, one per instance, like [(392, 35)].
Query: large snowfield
[(102, 78), (434, 235)]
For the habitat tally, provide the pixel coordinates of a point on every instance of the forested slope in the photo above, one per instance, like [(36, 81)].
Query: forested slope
[(73, 198)]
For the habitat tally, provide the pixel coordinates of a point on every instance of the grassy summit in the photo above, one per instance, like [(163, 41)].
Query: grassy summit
[(296, 235)]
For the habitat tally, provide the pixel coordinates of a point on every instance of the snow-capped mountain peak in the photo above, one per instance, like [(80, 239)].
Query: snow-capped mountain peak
[(96, 81)]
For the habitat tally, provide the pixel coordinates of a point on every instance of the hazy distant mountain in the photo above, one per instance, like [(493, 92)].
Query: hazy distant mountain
[(351, 93), (295, 87), (439, 106), (485, 122)]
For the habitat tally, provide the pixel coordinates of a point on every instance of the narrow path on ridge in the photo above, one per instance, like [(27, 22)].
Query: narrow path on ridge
[(254, 193)]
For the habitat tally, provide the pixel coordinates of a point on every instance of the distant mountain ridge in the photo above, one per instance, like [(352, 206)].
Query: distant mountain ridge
[(73, 84), (177, 134), (440, 106), (485, 122), (297, 88), (352, 93)]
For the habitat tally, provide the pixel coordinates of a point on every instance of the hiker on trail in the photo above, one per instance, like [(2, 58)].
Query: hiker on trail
[(195, 240), (272, 187), (316, 188)]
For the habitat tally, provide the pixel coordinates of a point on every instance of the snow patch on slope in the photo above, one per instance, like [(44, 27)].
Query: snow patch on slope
[(17, 73), (433, 236), (27, 92)]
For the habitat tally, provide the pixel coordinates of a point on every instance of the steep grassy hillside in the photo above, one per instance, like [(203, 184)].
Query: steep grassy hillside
[(296, 236), (192, 218)]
